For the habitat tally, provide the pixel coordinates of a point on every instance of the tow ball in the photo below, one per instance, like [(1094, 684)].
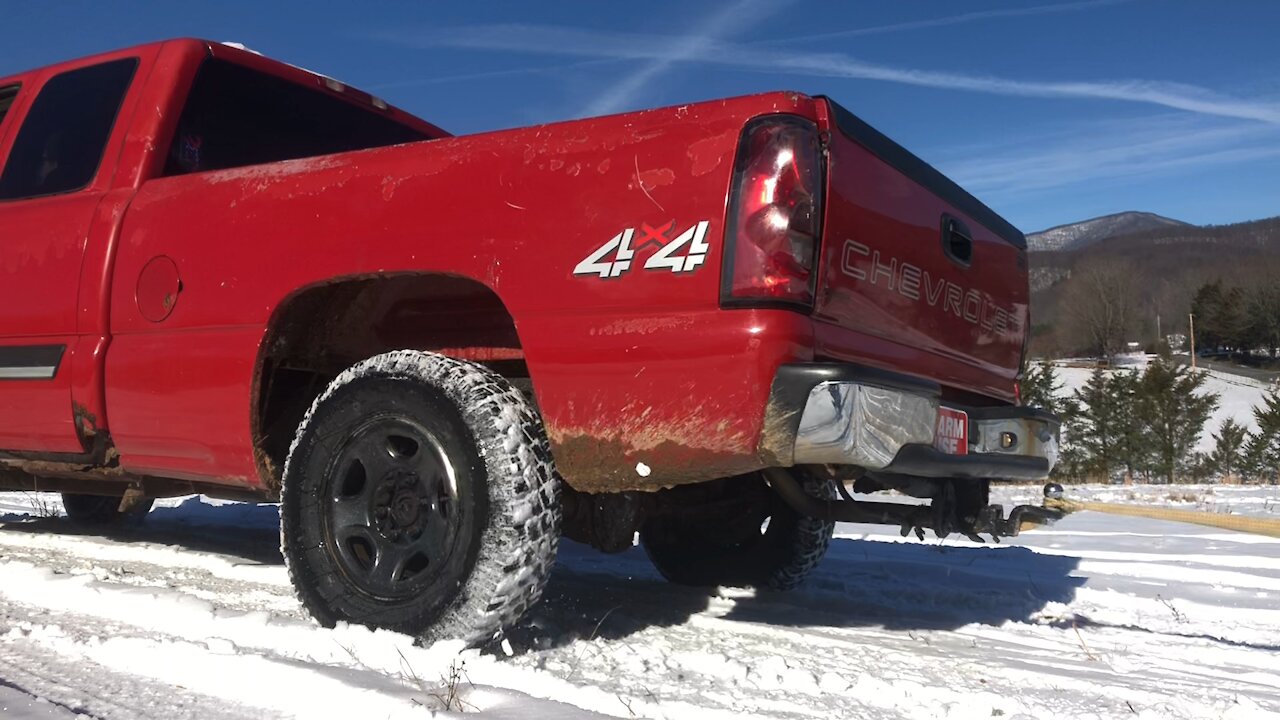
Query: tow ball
[(1022, 517)]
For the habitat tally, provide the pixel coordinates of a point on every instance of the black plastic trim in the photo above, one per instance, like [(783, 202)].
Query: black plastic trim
[(951, 225), (31, 356), (796, 381), (923, 173), (927, 461)]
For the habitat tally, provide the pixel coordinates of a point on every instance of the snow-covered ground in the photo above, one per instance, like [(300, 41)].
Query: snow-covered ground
[(191, 616)]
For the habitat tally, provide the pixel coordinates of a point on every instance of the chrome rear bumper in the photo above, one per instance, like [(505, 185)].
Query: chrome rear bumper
[(849, 423), (848, 415)]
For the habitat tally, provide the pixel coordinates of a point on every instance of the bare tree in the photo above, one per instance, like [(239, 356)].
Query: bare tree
[(1101, 306)]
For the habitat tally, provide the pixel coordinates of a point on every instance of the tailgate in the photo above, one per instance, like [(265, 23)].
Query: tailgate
[(916, 274)]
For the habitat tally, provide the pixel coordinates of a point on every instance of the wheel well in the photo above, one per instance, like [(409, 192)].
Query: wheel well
[(320, 331)]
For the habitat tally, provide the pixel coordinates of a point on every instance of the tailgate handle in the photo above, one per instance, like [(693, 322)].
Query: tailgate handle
[(957, 241)]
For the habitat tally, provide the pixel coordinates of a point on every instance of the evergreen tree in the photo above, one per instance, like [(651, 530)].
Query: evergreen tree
[(1206, 306), (1199, 468), (1228, 444), (1263, 319), (1040, 387), (1172, 413), (1071, 456), (1098, 424), (1133, 448), (1262, 450), (1230, 321)]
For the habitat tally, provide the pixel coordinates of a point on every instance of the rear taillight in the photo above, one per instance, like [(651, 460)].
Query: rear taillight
[(775, 215)]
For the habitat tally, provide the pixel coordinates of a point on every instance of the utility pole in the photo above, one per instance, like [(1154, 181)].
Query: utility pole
[(1191, 325), (1159, 335)]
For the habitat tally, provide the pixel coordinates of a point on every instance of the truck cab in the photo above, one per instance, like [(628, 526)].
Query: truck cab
[(78, 141)]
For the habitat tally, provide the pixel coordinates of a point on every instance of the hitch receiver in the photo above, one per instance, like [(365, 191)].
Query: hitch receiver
[(939, 515)]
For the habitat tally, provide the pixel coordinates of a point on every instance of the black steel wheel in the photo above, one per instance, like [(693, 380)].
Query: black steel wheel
[(395, 517), (103, 509), (766, 545), (419, 496)]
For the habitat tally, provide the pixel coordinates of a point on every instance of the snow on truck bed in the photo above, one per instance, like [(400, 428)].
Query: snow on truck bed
[(192, 616)]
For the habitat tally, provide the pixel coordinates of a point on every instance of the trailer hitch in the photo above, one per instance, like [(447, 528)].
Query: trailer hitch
[(940, 515), (991, 520)]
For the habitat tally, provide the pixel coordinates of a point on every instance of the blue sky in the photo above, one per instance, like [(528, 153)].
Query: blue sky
[(1051, 111)]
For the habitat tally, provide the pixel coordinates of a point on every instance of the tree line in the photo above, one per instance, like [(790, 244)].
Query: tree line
[(1141, 287), (1102, 311), (1146, 424), (1237, 318)]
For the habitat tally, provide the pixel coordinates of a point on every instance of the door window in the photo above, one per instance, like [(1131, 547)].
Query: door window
[(60, 144)]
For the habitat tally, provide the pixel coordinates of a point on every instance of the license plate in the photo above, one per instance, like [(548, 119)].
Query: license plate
[(952, 434)]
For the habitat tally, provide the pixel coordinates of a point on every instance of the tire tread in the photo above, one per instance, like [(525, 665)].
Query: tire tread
[(518, 547)]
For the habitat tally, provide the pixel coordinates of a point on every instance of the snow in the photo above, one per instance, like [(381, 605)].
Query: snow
[(1082, 234), (18, 705), (239, 46), (191, 616)]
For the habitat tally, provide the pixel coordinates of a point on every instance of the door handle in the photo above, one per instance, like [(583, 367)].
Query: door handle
[(957, 241)]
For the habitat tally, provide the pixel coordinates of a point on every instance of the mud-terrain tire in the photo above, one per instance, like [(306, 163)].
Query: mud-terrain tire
[(691, 550), (103, 509), (419, 496)]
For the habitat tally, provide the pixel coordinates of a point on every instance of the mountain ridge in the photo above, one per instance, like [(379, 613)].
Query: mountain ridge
[(1077, 235)]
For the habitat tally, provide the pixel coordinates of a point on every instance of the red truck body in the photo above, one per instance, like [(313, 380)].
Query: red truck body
[(695, 325), (172, 294)]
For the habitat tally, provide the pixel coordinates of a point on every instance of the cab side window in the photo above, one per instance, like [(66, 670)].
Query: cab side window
[(60, 144), (236, 116), (7, 94)]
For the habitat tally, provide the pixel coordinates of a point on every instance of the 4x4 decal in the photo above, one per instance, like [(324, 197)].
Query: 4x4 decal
[(622, 248)]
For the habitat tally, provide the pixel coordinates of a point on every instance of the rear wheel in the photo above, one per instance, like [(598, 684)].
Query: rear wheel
[(769, 545), (103, 509), (419, 496)]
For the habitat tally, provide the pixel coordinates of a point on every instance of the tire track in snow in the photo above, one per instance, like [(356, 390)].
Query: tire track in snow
[(149, 566), (88, 688), (884, 629)]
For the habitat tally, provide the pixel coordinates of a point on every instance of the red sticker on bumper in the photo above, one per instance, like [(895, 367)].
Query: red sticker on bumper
[(951, 436)]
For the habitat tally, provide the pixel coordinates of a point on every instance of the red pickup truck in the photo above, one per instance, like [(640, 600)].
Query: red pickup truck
[(704, 324)]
